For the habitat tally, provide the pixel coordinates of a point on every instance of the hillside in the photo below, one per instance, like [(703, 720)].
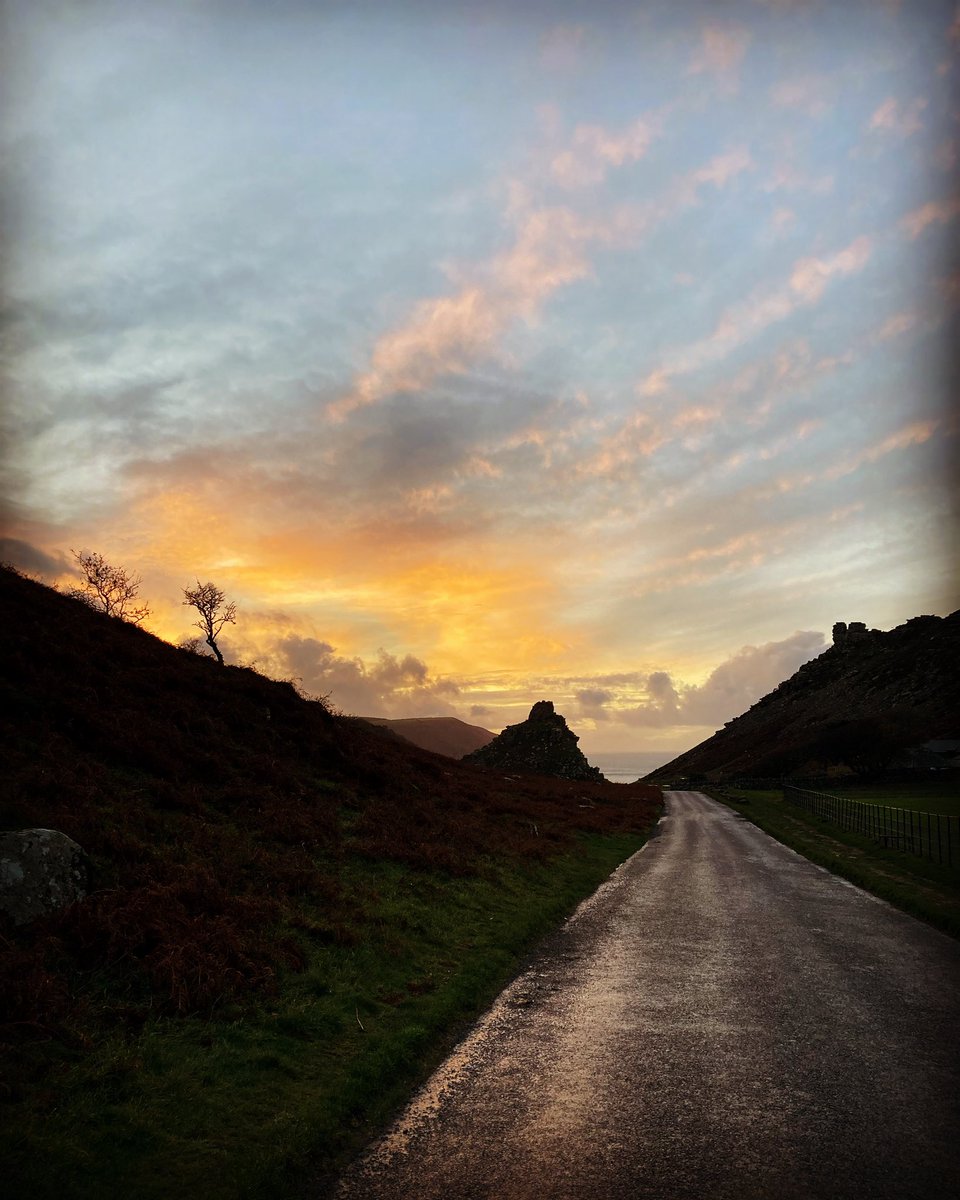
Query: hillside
[(288, 913), (859, 707), (159, 763), (442, 735)]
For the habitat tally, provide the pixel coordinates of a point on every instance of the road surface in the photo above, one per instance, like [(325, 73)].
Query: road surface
[(721, 1019)]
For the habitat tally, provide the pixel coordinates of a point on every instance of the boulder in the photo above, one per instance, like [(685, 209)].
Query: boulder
[(542, 743), (41, 871)]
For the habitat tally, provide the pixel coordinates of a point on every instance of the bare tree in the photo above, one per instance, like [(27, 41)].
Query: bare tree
[(209, 602), (113, 590)]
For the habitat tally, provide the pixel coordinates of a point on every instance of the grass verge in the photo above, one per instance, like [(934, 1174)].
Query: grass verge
[(256, 1099), (924, 889)]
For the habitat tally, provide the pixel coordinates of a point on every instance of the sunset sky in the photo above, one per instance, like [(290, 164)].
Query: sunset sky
[(487, 353)]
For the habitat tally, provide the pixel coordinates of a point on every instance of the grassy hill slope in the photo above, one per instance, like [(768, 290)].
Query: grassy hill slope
[(856, 706), (290, 915)]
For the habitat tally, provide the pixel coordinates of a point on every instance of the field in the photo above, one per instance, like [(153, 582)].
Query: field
[(933, 797), (258, 1098), (925, 889)]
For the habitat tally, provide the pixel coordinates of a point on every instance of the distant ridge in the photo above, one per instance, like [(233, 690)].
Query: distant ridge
[(868, 702), (442, 735)]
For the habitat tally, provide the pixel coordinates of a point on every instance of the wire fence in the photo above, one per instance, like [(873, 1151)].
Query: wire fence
[(929, 835)]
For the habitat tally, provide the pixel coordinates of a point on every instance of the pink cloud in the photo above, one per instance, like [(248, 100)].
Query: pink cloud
[(638, 437), (696, 415), (949, 287), (934, 212), (914, 434), (786, 177), (897, 324), (562, 48), (894, 116), (724, 167), (807, 93), (655, 383), (781, 219), (445, 334), (810, 275), (594, 150), (718, 171), (441, 336), (721, 52), (764, 307), (945, 155)]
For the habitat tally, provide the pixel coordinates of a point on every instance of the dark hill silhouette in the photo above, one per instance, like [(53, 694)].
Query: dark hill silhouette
[(857, 707), (543, 743), (443, 735), (218, 809)]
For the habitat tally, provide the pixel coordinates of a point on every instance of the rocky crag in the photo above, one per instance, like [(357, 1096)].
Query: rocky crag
[(543, 744), (872, 701)]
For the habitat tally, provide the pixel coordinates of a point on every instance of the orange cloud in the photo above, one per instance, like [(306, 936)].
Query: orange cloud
[(358, 592)]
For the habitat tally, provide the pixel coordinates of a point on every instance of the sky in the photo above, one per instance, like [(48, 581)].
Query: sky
[(597, 353)]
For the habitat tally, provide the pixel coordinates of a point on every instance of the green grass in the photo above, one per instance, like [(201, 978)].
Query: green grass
[(920, 887), (257, 1100), (933, 797)]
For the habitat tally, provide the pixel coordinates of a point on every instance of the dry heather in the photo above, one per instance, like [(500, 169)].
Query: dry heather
[(220, 811)]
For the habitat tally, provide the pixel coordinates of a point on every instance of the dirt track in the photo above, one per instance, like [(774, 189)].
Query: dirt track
[(721, 1019)]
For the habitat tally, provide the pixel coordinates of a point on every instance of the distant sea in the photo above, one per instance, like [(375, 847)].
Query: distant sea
[(629, 766)]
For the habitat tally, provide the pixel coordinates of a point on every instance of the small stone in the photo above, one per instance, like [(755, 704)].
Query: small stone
[(41, 871)]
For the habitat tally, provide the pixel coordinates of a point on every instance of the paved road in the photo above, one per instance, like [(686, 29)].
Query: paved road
[(721, 1019)]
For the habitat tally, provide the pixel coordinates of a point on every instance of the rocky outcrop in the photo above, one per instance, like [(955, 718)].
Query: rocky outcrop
[(543, 744), (41, 871), (860, 706), (856, 633)]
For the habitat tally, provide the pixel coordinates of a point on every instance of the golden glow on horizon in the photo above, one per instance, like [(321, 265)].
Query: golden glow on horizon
[(619, 394)]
